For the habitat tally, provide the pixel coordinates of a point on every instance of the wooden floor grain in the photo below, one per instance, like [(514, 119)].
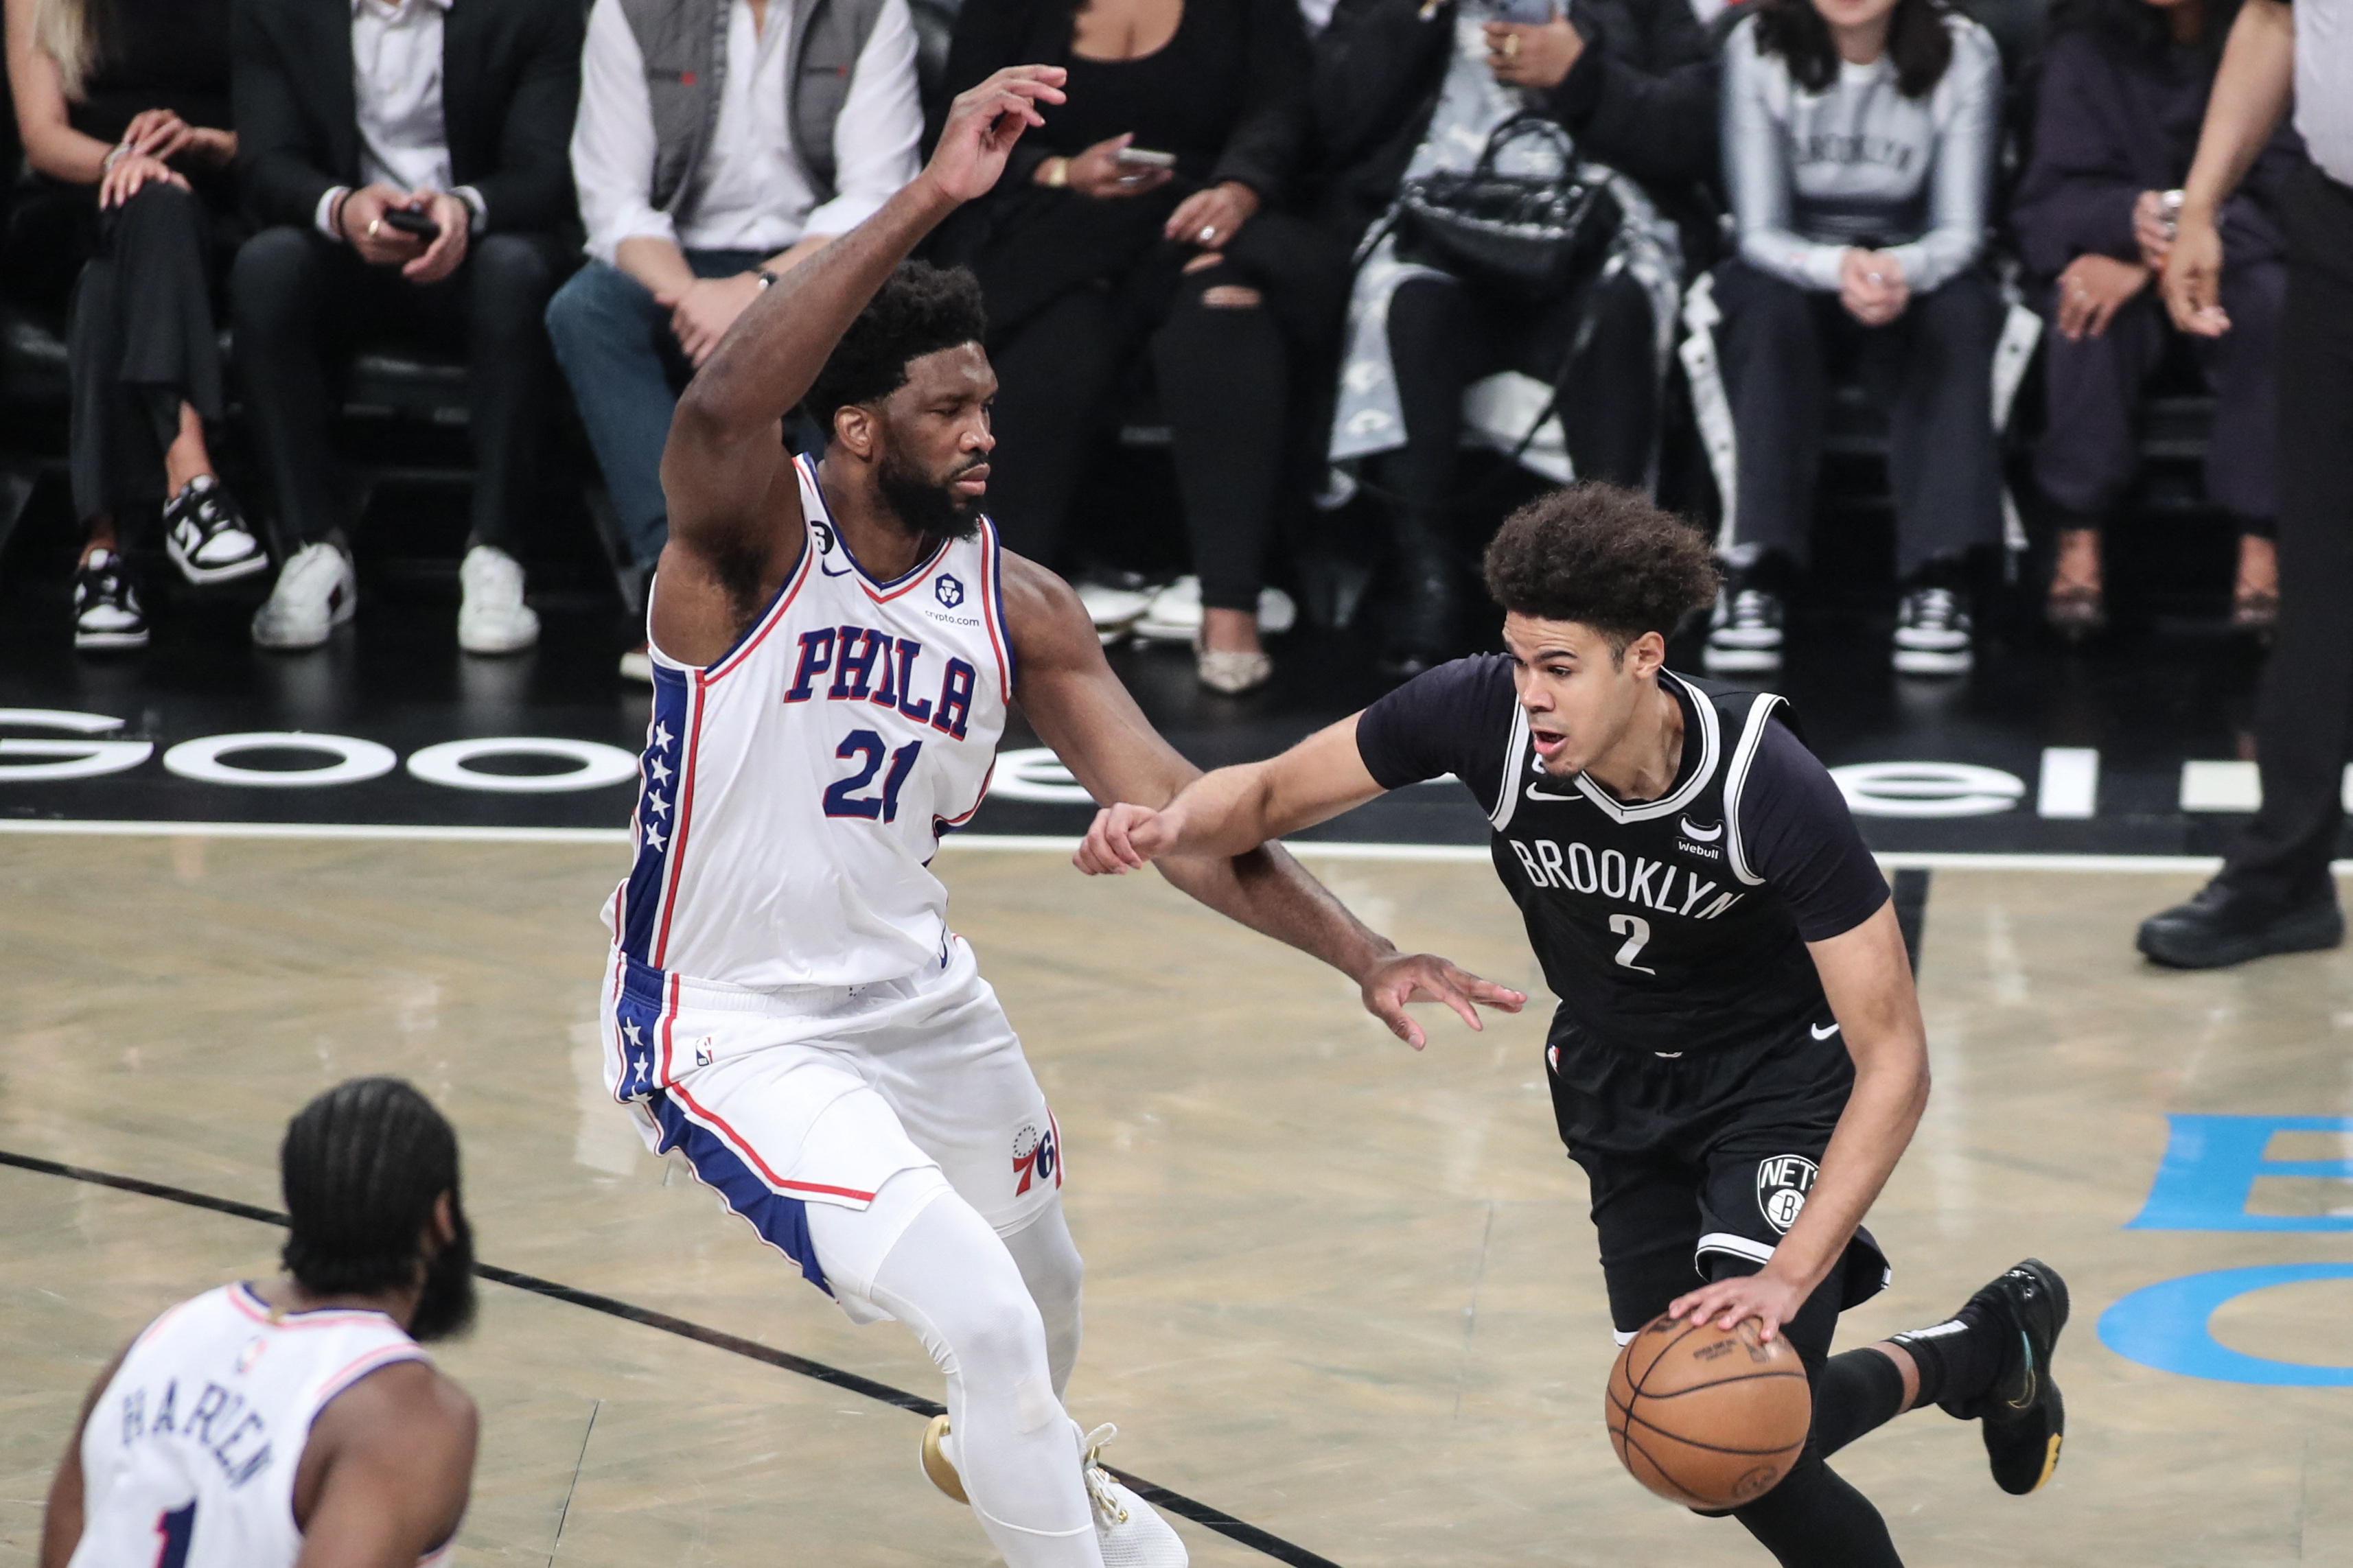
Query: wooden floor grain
[(1341, 1291)]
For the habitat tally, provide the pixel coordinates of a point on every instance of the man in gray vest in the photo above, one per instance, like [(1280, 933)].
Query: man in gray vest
[(718, 143)]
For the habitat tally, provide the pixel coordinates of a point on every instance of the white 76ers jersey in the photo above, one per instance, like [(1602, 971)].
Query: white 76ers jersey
[(795, 791), (189, 1457)]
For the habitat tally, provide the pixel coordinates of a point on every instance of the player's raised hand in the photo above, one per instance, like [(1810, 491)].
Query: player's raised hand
[(984, 123), (1127, 838), (1763, 1296), (1404, 977)]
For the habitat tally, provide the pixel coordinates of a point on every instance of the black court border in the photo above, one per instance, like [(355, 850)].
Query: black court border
[(1201, 1513)]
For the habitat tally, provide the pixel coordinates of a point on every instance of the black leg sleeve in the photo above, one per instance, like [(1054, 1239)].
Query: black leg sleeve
[(509, 280), (278, 288), (1053, 374), (1225, 383), (1771, 353), (2304, 718)]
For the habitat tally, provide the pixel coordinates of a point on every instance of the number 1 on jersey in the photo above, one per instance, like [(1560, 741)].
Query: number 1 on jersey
[(841, 797), (177, 1528), (1637, 933)]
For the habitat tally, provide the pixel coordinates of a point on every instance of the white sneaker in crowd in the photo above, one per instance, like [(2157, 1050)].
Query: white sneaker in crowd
[(106, 604), (315, 593), (1175, 612), (1130, 1533), (206, 535), (493, 618), (1114, 610), (638, 664), (1932, 632), (1744, 634)]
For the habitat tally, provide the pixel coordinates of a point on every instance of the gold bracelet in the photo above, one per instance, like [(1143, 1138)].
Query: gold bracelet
[(1058, 173)]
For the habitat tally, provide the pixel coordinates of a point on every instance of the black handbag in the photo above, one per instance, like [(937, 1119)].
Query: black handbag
[(1528, 232)]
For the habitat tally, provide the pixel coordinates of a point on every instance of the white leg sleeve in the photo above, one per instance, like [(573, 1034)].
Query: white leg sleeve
[(1051, 1266), (948, 1277)]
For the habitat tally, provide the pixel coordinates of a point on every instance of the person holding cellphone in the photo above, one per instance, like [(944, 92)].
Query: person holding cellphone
[(1136, 221)]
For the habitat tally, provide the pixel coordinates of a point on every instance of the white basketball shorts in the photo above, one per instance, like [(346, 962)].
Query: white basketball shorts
[(821, 1094)]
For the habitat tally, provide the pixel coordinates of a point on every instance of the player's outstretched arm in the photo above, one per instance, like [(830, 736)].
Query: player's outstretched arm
[(388, 1470), (1236, 809), (725, 473), (1867, 978), (1080, 709)]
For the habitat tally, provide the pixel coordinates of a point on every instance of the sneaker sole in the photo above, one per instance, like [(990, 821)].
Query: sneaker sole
[(1919, 661), (101, 641), (2313, 933), (210, 576), (1741, 659), (494, 649)]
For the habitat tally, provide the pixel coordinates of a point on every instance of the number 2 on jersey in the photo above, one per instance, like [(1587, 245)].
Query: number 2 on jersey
[(178, 1526), (842, 799), (1637, 933)]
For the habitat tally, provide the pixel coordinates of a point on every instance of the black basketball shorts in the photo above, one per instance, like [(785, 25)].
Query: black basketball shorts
[(1699, 1163)]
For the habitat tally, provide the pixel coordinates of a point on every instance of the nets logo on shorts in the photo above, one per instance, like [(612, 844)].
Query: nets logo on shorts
[(1034, 1158), (1782, 1184)]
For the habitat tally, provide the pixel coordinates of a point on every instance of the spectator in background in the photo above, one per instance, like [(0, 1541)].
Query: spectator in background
[(2123, 87), (718, 143), (1859, 141), (1137, 218), (1405, 90), (2276, 891), (355, 119), (123, 107)]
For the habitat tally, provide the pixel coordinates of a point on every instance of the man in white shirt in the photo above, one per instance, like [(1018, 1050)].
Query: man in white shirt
[(718, 143), (406, 162)]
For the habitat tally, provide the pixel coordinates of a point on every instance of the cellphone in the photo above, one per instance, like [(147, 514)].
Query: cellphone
[(410, 221), (1144, 158), (1524, 12)]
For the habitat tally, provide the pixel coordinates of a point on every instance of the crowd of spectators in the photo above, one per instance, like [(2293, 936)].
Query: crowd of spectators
[(1231, 215)]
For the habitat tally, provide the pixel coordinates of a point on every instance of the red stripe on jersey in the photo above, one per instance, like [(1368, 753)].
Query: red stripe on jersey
[(992, 609), (751, 1156), (662, 1029), (375, 1361)]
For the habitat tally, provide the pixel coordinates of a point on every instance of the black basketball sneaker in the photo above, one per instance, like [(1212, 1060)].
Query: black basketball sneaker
[(2022, 1416)]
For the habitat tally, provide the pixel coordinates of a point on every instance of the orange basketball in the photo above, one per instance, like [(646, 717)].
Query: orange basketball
[(1706, 1417)]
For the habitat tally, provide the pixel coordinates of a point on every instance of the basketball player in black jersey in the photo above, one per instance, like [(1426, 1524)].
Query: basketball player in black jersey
[(1737, 1060)]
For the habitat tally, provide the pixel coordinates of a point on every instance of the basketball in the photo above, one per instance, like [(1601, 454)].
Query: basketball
[(1706, 1417)]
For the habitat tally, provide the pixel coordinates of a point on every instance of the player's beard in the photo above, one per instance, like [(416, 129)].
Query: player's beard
[(445, 1308), (928, 508)]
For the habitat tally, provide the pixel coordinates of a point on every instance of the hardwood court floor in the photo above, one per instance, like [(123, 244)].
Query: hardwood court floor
[(1338, 1291)]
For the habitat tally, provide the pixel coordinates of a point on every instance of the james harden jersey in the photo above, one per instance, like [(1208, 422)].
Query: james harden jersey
[(189, 1456), (794, 791), (1667, 925)]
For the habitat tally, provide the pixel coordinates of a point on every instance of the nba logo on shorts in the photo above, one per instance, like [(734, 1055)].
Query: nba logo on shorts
[(1782, 1184), (1034, 1157)]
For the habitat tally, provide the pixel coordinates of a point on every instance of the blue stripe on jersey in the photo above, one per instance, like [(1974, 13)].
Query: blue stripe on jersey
[(657, 814), (997, 593), (782, 1222), (637, 1021)]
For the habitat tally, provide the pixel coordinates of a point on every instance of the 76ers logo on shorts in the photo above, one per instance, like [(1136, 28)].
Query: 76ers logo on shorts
[(1782, 1184), (1036, 1157)]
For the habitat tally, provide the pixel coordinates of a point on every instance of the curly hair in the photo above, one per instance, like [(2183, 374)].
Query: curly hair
[(920, 310), (1603, 556)]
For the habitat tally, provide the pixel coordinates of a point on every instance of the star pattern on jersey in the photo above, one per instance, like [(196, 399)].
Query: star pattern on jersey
[(659, 806), (636, 1039), (653, 838), (659, 769)]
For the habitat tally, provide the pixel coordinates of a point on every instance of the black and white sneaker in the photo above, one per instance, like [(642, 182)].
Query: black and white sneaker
[(106, 606), (1932, 632), (207, 537), (1745, 632)]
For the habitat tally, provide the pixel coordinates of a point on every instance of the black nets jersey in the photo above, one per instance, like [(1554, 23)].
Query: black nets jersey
[(1668, 925)]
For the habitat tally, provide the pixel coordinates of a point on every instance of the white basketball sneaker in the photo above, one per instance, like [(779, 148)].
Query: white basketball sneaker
[(1130, 1532), (492, 617), (315, 593)]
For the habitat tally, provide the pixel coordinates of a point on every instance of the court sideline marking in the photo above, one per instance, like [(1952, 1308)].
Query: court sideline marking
[(1201, 1513)]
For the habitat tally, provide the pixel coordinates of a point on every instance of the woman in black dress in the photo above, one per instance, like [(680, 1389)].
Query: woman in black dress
[(124, 109), (1086, 252)]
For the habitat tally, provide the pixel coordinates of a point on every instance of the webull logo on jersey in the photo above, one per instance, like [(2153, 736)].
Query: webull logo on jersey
[(1782, 1184), (868, 666), (1614, 874), (1036, 1157)]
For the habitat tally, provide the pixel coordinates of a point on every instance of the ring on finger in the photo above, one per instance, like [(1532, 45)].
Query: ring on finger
[(1208, 234), (1510, 50)]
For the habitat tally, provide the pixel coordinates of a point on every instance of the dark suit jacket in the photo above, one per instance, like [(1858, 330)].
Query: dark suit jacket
[(510, 84)]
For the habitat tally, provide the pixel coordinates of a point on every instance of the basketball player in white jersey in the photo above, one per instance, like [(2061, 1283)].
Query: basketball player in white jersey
[(297, 1422), (836, 648)]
